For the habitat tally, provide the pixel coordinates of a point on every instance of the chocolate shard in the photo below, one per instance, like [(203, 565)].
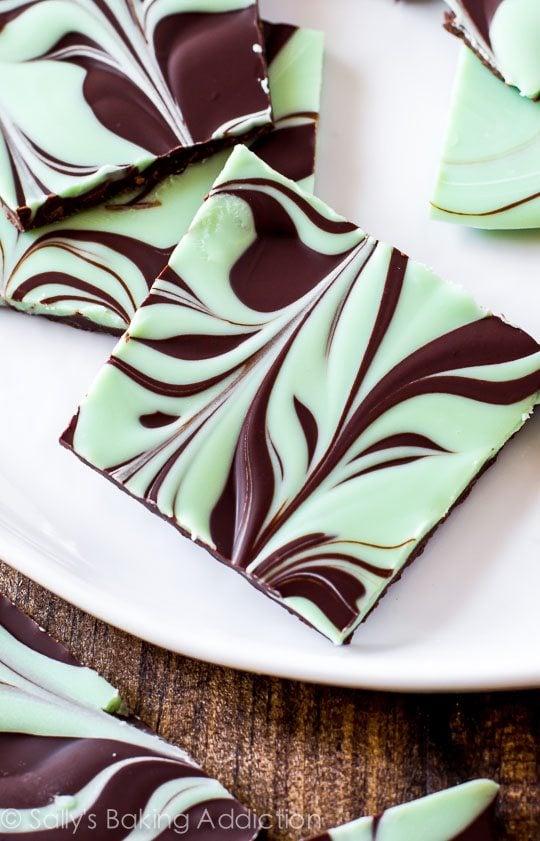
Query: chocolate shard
[(70, 769), (34, 661), (334, 400), (147, 88), (489, 176), (94, 269), (505, 35), (462, 813)]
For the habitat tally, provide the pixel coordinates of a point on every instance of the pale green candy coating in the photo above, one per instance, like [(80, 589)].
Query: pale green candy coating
[(67, 767), (506, 34), (490, 174), (443, 816), (74, 768), (47, 714), (305, 401), (95, 268), (27, 664), (295, 77), (515, 39), (96, 91)]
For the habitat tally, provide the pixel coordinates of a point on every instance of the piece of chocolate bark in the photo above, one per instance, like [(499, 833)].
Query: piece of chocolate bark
[(295, 66), (505, 34), (462, 813), (32, 660), (94, 269), (304, 401), (96, 95), (489, 175), (68, 769)]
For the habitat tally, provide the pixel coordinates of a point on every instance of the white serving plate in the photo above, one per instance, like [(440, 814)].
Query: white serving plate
[(466, 614)]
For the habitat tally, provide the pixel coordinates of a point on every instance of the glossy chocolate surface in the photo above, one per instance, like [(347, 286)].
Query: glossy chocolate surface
[(306, 402), (505, 35), (70, 770), (148, 87), (94, 269)]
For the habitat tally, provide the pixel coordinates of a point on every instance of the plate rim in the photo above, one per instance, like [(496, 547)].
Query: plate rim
[(82, 597)]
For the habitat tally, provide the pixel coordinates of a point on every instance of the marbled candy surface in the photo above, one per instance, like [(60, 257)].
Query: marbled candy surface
[(463, 813), (505, 34), (31, 660), (304, 401), (95, 268), (70, 770), (489, 175), (94, 92)]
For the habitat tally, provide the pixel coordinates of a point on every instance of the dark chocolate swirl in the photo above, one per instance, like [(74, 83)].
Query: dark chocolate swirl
[(95, 269), (327, 399), (149, 87), (31, 659), (72, 772)]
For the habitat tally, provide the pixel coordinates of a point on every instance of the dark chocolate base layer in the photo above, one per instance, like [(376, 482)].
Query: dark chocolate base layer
[(451, 26), (55, 208), (76, 320)]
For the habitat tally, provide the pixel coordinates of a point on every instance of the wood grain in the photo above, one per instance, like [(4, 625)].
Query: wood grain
[(311, 757)]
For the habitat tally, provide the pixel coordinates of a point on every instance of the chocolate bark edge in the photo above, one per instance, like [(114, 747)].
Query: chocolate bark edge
[(66, 441), (55, 207), (27, 631), (452, 27)]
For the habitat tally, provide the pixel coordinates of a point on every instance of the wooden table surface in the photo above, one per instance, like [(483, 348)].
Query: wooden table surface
[(311, 756)]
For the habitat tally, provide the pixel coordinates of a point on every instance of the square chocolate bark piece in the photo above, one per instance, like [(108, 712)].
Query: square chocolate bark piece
[(96, 95), (304, 401)]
